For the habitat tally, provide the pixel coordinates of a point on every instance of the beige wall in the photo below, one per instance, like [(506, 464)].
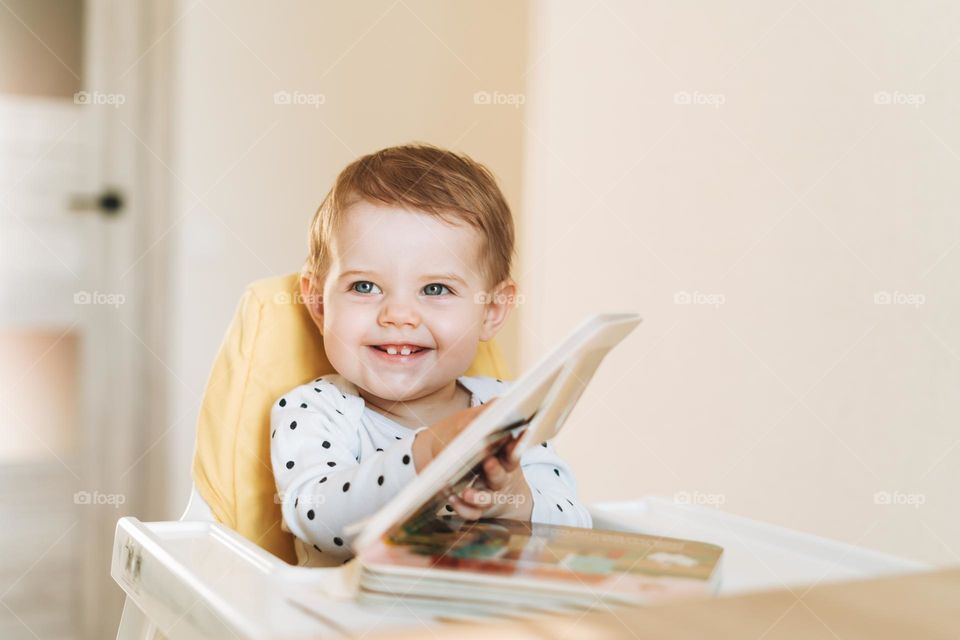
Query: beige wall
[(797, 199), (252, 172)]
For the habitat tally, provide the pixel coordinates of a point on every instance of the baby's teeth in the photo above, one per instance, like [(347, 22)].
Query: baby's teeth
[(392, 351), (405, 351)]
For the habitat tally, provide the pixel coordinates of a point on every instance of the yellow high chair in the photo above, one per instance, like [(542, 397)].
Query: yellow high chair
[(225, 570)]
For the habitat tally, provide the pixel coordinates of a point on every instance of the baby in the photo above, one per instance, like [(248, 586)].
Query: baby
[(409, 270)]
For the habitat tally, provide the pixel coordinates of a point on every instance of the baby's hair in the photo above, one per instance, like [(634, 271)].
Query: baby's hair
[(426, 179)]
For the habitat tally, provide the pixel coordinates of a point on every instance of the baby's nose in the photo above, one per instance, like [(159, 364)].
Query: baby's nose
[(399, 313)]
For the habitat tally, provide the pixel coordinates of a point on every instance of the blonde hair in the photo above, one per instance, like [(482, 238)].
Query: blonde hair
[(425, 179)]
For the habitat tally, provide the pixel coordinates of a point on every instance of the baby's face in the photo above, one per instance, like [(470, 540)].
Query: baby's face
[(400, 313)]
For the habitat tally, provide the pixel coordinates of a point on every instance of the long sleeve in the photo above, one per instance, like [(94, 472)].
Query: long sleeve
[(553, 487), (322, 483), (550, 479)]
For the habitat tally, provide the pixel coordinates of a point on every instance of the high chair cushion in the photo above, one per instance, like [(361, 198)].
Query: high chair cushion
[(271, 346)]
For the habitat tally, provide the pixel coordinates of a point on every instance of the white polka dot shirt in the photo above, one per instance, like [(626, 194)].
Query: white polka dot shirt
[(336, 462)]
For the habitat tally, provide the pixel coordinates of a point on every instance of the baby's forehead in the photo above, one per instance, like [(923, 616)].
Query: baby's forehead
[(384, 237), (365, 216)]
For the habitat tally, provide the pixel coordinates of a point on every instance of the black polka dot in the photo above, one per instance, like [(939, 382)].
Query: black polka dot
[(538, 491), (289, 464), (283, 402), (568, 501), (406, 459), (499, 380), (331, 464), (318, 548), (557, 471), (274, 433), (543, 444), (338, 542), (559, 507), (296, 502), (303, 405), (379, 449), (318, 390), (338, 411), (346, 487), (293, 425), (325, 445), (310, 514), (343, 396), (318, 380), (380, 481), (322, 480), (397, 437)]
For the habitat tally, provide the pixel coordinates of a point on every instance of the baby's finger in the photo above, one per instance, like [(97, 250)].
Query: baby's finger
[(507, 460), (494, 474), (464, 510)]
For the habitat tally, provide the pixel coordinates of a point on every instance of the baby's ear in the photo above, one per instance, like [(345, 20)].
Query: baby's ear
[(312, 300), (497, 308)]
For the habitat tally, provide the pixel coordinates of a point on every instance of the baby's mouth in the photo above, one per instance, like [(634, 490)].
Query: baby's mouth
[(399, 349)]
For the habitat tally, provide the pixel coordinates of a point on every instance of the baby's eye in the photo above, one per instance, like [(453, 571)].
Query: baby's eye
[(364, 286), (435, 289)]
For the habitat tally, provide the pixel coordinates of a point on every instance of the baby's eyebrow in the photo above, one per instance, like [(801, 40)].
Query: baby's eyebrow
[(431, 277), (446, 276), (355, 272)]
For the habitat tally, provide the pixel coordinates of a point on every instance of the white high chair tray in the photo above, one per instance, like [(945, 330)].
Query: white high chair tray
[(202, 580), (756, 555)]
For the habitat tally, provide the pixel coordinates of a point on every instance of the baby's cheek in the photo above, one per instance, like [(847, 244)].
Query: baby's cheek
[(456, 361), (341, 343), (335, 351), (459, 333)]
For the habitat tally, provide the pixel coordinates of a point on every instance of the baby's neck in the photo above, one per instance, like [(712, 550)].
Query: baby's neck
[(424, 411)]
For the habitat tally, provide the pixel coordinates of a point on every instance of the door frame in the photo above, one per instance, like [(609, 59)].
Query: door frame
[(127, 51)]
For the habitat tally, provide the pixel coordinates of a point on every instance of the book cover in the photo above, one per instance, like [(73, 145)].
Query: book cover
[(611, 564)]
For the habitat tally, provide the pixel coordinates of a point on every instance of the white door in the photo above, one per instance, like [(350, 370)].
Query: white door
[(69, 323)]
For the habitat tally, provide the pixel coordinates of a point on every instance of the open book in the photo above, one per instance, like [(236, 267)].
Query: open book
[(408, 548)]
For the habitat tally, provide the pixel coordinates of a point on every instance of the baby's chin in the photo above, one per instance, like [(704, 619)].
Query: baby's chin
[(398, 391), (399, 388)]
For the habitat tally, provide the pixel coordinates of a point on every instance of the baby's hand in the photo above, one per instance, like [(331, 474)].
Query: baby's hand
[(428, 443), (504, 492)]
